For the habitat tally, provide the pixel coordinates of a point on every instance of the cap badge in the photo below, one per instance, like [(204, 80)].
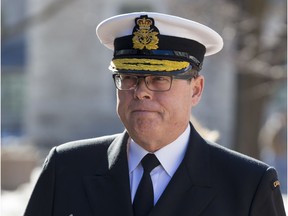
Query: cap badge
[(145, 33)]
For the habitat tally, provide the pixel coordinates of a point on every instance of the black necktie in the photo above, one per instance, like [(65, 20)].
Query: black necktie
[(144, 197)]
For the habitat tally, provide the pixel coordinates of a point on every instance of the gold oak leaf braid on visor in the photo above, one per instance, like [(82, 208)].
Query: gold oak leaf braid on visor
[(147, 64)]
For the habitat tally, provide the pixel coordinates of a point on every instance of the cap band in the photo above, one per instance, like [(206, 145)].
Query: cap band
[(159, 54), (173, 47)]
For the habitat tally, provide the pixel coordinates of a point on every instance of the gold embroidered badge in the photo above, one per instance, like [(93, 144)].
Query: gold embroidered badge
[(276, 183), (145, 34)]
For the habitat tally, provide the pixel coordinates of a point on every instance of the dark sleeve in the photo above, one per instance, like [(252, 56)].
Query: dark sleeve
[(268, 199), (41, 200)]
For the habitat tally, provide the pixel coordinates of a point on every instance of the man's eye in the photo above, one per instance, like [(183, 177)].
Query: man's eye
[(127, 77), (161, 78)]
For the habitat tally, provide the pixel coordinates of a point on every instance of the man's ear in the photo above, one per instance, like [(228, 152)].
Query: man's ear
[(197, 89)]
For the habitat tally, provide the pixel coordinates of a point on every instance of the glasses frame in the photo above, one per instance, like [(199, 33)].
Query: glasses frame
[(182, 77)]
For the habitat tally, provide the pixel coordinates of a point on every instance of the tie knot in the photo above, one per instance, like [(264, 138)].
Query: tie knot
[(149, 162)]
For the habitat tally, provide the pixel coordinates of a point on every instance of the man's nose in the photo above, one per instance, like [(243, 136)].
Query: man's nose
[(141, 91)]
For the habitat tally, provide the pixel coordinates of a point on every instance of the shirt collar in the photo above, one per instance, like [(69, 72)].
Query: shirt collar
[(170, 156)]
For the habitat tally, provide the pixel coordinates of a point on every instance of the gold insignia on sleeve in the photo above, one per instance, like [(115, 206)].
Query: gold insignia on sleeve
[(276, 183), (145, 34)]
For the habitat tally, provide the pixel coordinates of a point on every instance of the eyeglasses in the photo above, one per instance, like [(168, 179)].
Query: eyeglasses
[(152, 82)]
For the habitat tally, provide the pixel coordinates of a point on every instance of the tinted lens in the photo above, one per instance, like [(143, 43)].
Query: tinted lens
[(125, 82), (158, 83)]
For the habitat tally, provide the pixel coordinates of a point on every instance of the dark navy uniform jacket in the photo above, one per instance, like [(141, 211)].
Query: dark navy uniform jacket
[(90, 178)]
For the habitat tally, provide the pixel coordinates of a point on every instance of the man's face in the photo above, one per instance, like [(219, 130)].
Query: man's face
[(155, 119)]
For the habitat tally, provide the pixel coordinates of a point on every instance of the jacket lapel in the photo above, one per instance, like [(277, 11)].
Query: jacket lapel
[(190, 191), (108, 191)]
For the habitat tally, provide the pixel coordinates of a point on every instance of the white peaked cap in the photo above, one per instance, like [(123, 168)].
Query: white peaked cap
[(178, 30)]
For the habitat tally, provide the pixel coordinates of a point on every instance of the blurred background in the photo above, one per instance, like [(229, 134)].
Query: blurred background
[(56, 87)]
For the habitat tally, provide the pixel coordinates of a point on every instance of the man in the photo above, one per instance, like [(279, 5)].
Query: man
[(160, 165)]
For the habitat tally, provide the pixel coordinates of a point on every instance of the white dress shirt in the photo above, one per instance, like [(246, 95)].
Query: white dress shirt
[(169, 157)]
